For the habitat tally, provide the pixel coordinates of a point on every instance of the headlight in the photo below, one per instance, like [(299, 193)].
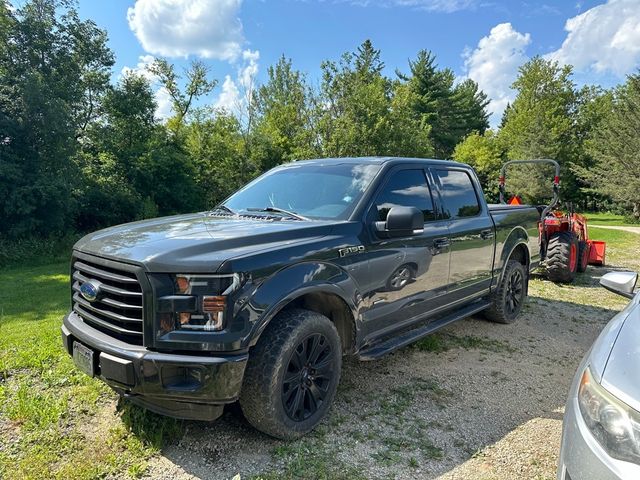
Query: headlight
[(200, 302), (615, 425)]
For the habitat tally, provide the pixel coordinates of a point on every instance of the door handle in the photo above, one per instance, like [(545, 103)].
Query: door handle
[(441, 243), (486, 234)]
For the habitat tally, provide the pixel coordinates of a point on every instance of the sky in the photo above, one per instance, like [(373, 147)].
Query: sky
[(482, 39)]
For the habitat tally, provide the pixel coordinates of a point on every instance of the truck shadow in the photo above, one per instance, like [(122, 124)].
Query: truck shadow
[(426, 411)]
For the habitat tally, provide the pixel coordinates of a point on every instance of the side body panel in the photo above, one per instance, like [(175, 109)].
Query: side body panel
[(515, 226)]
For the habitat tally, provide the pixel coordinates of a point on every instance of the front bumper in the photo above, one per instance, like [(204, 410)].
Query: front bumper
[(582, 457), (176, 385)]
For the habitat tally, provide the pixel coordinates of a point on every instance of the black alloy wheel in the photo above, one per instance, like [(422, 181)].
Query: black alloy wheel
[(292, 374), (308, 376), (510, 295), (515, 292)]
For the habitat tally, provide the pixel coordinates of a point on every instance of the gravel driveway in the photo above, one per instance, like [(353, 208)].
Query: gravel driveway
[(475, 401)]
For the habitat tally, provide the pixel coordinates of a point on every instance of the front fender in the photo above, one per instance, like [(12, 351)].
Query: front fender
[(287, 284)]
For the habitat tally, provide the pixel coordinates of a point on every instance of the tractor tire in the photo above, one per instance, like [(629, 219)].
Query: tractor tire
[(583, 256), (562, 257), (510, 295), (292, 374)]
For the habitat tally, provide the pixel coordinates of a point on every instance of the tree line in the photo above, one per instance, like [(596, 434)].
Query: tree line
[(79, 151)]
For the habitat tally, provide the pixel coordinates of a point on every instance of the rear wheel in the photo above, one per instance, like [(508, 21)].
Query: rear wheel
[(562, 257), (292, 374), (583, 256), (507, 300)]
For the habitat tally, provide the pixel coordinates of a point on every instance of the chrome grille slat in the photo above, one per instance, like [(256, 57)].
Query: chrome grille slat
[(96, 272), (105, 313), (118, 309), (108, 288), (110, 301), (108, 325)]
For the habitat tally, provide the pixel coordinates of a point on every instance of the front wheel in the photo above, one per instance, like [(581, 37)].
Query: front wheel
[(292, 374), (510, 295)]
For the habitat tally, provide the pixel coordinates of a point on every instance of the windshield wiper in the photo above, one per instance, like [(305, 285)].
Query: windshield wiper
[(278, 210), (223, 208)]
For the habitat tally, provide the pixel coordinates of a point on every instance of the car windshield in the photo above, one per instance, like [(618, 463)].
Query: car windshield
[(311, 191)]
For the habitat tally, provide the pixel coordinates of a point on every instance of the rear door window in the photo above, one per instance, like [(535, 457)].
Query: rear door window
[(458, 194)]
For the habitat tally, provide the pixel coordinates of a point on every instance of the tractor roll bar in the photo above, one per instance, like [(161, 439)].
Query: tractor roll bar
[(556, 181)]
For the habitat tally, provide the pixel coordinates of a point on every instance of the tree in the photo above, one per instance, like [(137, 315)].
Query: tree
[(284, 129), (215, 143), (53, 70), (354, 105), (614, 146), (131, 163), (197, 85), (540, 123), (361, 112), (452, 111), (485, 154)]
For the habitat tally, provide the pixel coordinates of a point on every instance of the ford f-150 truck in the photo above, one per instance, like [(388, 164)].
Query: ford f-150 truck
[(257, 300)]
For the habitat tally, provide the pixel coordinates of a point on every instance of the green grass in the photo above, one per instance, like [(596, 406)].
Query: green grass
[(623, 248), (56, 422), (609, 219)]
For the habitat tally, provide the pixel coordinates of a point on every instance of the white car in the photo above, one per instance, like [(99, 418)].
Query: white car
[(601, 429)]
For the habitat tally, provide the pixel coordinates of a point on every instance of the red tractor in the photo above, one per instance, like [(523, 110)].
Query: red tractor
[(565, 247)]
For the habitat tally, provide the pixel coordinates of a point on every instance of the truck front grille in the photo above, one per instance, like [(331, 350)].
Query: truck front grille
[(118, 308)]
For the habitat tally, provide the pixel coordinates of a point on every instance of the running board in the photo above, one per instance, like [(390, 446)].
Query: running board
[(378, 350)]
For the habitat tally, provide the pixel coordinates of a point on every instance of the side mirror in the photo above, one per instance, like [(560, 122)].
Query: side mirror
[(401, 222), (622, 283)]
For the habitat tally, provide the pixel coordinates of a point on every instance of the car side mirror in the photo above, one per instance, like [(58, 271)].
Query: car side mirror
[(622, 283), (401, 222)]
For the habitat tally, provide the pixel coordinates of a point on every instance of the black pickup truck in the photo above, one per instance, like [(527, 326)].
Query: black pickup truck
[(258, 300)]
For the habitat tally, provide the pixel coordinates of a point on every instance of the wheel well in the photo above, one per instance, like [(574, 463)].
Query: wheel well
[(334, 308), (520, 254)]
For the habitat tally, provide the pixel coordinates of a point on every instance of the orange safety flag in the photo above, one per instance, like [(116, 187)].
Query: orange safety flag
[(515, 200)]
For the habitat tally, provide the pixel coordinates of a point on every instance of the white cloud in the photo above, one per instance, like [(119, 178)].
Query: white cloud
[(179, 28), (163, 99), (494, 63), (236, 93), (229, 98), (141, 68), (604, 38)]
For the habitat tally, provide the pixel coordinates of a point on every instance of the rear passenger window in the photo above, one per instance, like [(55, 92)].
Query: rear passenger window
[(406, 188), (459, 196)]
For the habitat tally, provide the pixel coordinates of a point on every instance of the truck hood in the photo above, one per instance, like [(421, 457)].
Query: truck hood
[(195, 242)]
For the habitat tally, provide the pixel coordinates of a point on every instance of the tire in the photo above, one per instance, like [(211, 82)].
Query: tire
[(562, 257), (583, 256), (277, 375), (400, 278), (509, 297)]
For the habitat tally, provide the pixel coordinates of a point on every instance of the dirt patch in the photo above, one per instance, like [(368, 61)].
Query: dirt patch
[(486, 402)]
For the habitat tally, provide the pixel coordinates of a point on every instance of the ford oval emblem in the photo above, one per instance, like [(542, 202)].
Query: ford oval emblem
[(90, 290)]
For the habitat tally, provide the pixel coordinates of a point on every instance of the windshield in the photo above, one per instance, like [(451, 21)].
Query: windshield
[(312, 191)]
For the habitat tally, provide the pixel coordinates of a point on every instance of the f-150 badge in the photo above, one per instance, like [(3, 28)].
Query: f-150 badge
[(350, 250)]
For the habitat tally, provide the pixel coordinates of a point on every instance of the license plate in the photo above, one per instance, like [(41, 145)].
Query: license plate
[(83, 358)]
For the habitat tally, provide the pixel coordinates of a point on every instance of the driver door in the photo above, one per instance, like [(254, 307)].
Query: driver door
[(406, 274)]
